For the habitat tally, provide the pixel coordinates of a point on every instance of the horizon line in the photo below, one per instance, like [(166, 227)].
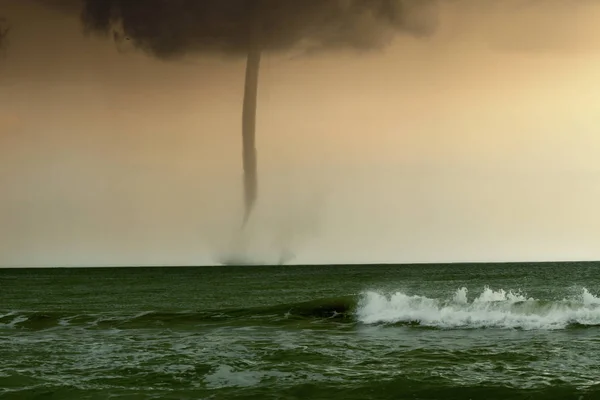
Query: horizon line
[(371, 264)]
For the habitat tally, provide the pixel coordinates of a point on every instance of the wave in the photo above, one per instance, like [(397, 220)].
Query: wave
[(338, 309), (490, 309)]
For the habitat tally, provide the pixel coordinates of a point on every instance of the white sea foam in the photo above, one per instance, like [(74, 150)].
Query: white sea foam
[(490, 309), (14, 322)]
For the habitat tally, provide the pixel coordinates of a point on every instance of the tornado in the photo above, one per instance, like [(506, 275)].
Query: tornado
[(247, 29), (249, 156)]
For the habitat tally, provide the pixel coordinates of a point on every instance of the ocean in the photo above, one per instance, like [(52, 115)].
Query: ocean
[(456, 331)]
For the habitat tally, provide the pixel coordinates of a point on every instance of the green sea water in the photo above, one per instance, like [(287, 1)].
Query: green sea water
[(487, 331)]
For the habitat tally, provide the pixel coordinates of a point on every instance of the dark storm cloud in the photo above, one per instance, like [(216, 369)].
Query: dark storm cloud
[(169, 28)]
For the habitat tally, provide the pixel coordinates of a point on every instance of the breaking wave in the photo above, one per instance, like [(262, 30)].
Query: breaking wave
[(490, 309)]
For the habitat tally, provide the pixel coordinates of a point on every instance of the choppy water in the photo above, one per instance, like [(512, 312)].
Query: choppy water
[(512, 331)]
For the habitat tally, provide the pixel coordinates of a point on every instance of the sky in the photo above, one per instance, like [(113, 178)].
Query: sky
[(479, 143)]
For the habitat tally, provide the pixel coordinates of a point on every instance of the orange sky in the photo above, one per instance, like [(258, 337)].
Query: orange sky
[(480, 143)]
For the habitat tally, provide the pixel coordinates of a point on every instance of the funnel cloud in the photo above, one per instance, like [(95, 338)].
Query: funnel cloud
[(248, 28)]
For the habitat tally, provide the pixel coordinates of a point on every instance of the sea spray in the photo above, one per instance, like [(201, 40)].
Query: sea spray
[(287, 220)]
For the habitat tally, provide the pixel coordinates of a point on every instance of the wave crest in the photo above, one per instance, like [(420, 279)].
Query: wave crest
[(490, 309)]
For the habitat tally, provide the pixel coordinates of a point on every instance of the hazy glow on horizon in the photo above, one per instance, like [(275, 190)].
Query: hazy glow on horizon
[(480, 143)]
